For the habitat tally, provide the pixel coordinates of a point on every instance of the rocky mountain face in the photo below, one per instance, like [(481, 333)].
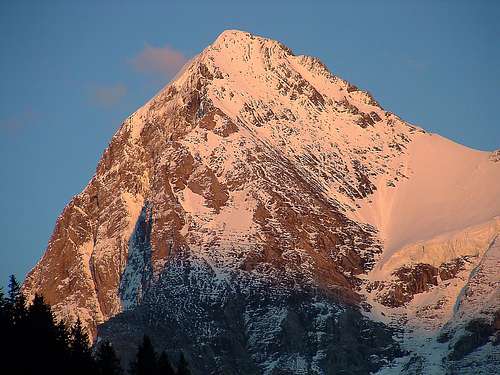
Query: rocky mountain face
[(265, 216)]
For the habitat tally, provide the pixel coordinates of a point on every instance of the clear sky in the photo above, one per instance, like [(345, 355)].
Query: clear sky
[(71, 71)]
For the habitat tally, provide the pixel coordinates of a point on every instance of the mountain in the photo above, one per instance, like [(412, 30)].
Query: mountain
[(266, 216)]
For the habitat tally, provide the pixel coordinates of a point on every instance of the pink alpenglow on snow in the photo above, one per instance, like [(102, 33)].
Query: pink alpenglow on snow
[(260, 193)]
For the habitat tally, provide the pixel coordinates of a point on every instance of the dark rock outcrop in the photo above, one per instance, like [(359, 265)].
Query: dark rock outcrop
[(408, 281), (477, 334), (243, 324)]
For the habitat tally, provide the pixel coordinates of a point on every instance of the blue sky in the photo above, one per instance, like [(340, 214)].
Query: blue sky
[(71, 71)]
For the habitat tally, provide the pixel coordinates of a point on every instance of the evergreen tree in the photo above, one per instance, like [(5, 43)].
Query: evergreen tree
[(41, 328), (16, 301), (164, 367), (183, 368), (16, 334), (47, 341), (81, 359), (33, 342), (145, 361), (14, 289), (62, 335), (40, 319), (106, 360)]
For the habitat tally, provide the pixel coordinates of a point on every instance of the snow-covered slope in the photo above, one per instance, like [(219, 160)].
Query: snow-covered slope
[(449, 187), (430, 310), (254, 204), (437, 226)]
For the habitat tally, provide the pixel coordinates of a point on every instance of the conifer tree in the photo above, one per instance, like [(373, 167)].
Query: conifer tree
[(81, 358), (106, 360), (164, 367), (17, 333), (47, 341), (145, 361), (40, 327), (183, 368), (16, 301), (62, 346), (14, 289), (31, 341), (41, 319)]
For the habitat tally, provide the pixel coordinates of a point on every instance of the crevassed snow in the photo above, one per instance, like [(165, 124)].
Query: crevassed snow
[(473, 293), (481, 294), (471, 241)]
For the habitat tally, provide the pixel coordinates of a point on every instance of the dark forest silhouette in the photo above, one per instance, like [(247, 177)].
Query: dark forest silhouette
[(34, 342)]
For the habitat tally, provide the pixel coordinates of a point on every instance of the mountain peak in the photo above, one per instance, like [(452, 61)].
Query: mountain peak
[(241, 42), (259, 193), (233, 34)]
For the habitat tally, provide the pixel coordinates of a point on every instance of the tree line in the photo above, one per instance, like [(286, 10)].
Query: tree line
[(32, 341)]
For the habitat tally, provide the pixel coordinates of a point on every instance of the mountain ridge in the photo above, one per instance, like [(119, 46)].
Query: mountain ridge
[(256, 169)]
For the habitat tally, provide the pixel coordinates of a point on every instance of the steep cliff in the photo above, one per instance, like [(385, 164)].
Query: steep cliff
[(266, 216)]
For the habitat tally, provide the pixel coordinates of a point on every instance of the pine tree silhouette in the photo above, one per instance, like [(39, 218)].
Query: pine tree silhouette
[(16, 301), (16, 334), (32, 342), (62, 347), (145, 361), (164, 367), (81, 358), (107, 361), (14, 289), (183, 368), (41, 328)]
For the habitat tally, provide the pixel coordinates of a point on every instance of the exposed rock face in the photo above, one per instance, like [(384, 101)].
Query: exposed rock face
[(226, 218), (495, 156), (450, 309), (478, 332), (407, 281), (243, 323)]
